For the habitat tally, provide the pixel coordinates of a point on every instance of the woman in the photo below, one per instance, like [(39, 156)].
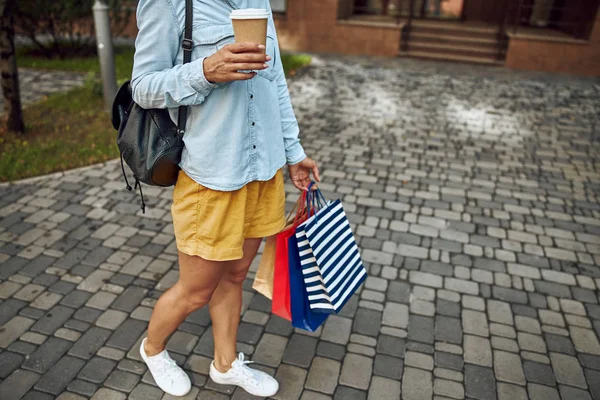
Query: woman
[(241, 130)]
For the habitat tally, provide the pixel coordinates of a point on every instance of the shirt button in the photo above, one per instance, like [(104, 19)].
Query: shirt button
[(254, 146), (251, 96), (253, 124)]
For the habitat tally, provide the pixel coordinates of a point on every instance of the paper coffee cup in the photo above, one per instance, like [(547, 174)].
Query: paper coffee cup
[(250, 25)]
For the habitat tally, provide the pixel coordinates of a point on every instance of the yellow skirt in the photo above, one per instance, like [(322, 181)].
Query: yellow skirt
[(213, 224)]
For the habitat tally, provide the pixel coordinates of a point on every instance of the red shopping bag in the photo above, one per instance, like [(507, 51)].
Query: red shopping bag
[(281, 305)]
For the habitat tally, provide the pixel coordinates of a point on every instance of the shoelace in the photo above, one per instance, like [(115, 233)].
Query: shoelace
[(168, 367), (246, 370)]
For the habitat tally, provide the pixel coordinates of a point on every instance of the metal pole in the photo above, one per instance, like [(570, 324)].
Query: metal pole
[(106, 52)]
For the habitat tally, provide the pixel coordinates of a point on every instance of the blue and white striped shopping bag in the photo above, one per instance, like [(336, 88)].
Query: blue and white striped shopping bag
[(331, 263)]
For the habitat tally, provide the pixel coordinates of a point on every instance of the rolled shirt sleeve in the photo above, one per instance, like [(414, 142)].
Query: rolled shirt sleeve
[(157, 81)]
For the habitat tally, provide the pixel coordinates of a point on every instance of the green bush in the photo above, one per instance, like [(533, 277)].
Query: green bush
[(63, 28)]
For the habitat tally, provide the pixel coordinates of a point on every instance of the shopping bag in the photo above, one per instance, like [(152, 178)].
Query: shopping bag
[(331, 263), (303, 317), (263, 282), (281, 305)]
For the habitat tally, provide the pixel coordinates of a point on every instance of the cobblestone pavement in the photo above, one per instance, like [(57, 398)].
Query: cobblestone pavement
[(473, 192), (36, 84)]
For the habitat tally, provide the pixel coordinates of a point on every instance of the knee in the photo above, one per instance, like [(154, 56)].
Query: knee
[(195, 299), (236, 276)]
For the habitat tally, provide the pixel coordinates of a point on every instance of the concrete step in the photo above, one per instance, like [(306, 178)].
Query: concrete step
[(477, 50), (452, 26), (431, 55), (435, 37)]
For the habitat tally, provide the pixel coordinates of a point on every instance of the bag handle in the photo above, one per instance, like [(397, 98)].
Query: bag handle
[(297, 208), (187, 45)]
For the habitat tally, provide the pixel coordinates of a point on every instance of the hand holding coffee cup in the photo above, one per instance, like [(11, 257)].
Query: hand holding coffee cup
[(247, 54)]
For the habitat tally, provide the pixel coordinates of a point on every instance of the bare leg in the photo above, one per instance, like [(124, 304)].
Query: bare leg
[(226, 304), (198, 279)]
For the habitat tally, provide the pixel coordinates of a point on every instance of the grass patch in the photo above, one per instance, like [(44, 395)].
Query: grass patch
[(293, 62), (70, 130), (123, 62)]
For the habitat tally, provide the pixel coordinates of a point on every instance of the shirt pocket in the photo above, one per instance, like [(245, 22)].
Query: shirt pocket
[(210, 39)]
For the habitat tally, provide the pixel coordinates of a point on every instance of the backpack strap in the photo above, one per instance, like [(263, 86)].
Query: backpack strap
[(188, 45)]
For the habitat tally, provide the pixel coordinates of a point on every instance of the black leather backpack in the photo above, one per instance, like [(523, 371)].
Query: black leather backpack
[(148, 140)]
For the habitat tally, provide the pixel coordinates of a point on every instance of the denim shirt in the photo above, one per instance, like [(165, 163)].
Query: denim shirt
[(236, 132)]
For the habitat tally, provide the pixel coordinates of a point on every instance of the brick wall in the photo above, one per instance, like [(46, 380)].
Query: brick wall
[(567, 57), (312, 25)]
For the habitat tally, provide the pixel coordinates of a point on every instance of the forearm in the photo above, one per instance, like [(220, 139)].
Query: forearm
[(181, 85)]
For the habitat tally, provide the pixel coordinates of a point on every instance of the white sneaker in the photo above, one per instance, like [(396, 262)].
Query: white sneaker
[(257, 383), (166, 373)]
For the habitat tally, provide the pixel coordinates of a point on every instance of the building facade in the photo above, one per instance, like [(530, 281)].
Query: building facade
[(543, 35)]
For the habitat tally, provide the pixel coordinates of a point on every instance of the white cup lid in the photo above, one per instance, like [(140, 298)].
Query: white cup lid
[(249, 13)]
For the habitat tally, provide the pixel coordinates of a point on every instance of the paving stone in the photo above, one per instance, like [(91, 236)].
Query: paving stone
[(9, 362), (531, 342), (90, 343), (447, 360), (559, 344), (111, 319), (108, 394), (127, 334), (13, 329), (448, 308), (480, 383), (130, 299), (182, 342), (418, 360), (300, 350), (356, 371), (344, 392), (367, 322), (568, 392), (249, 333), (87, 314), (478, 350), (395, 315), (540, 392), (146, 392), (585, 340), (568, 370), (416, 384), (58, 377), (500, 312), (35, 395), (17, 384), (507, 391), (421, 329), (47, 355), (270, 350), (389, 367), (509, 295), (121, 380), (475, 322), (448, 388), (69, 396), (508, 367), (331, 350), (323, 375), (97, 370), (337, 330), (448, 329), (384, 389), (539, 373)]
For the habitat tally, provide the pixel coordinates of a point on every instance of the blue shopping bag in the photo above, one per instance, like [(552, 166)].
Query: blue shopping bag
[(303, 316), (331, 263)]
